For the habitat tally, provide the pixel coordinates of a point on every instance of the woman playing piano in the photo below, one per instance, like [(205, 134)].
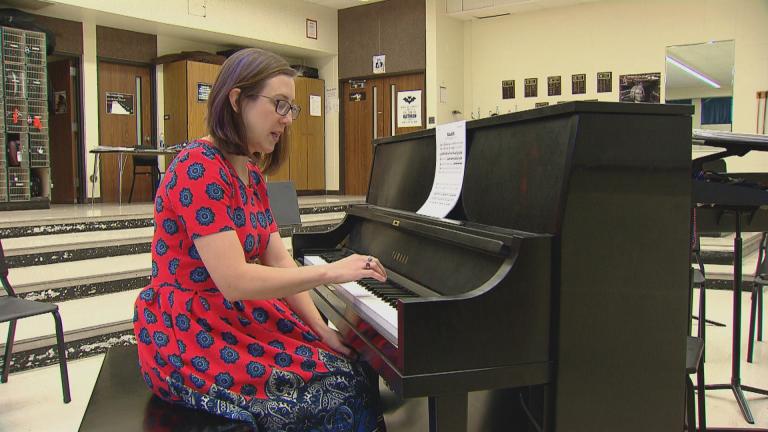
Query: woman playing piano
[(216, 330)]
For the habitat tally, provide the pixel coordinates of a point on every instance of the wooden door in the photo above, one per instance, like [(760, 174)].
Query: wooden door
[(394, 86), (357, 100), (298, 150), (307, 153), (124, 122), (370, 112), (63, 140), (315, 133), (198, 74), (175, 103)]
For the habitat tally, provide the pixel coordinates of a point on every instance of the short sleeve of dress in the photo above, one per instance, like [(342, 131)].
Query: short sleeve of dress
[(200, 191), (261, 188)]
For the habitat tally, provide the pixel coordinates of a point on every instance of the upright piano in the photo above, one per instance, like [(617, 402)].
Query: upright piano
[(562, 269)]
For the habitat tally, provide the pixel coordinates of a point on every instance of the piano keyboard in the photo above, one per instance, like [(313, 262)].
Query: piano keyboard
[(373, 300)]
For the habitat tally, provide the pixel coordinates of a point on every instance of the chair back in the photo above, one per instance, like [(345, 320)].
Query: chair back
[(284, 203), (145, 161), (762, 258)]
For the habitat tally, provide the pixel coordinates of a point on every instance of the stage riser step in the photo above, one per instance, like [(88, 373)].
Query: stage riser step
[(29, 260), (75, 292), (727, 284), (116, 224), (77, 349), (75, 227), (323, 209)]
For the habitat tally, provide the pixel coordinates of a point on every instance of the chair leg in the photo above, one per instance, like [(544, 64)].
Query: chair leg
[(702, 312), (751, 332), (155, 181), (62, 357), (8, 351), (690, 411), (133, 183), (760, 293), (702, 398)]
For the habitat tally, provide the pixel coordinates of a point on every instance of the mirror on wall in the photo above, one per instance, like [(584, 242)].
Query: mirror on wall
[(702, 75)]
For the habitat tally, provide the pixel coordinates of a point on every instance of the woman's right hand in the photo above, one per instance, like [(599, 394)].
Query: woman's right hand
[(356, 267)]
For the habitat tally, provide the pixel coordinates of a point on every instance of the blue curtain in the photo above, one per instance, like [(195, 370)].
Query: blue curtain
[(716, 110)]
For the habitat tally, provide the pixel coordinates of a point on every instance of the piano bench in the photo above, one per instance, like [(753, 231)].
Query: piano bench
[(121, 402)]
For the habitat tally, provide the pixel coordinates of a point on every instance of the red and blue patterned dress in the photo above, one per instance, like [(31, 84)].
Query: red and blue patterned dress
[(250, 360)]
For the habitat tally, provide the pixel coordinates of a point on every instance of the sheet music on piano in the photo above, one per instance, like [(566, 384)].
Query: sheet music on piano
[(451, 151)]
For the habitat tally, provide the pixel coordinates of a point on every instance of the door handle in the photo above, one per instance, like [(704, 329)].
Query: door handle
[(375, 111)]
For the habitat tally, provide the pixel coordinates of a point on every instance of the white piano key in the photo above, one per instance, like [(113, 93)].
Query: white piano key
[(380, 314)]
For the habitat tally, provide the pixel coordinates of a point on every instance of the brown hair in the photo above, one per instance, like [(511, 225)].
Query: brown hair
[(248, 69)]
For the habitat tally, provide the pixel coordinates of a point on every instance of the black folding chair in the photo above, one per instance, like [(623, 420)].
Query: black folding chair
[(12, 309), (758, 288), (153, 172), (285, 204)]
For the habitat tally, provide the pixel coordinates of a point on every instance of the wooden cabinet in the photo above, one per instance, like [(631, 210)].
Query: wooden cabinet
[(185, 120), (185, 86), (305, 164)]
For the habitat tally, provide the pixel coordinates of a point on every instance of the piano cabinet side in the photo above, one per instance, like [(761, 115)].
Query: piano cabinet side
[(504, 322)]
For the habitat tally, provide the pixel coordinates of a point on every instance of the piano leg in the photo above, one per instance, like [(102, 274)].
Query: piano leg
[(448, 413)]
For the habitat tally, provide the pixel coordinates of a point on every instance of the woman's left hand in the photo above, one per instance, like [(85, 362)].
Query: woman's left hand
[(334, 340)]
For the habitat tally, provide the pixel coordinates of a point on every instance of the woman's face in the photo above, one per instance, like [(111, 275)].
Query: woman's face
[(264, 126)]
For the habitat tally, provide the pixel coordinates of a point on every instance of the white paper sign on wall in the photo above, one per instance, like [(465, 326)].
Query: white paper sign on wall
[(379, 64), (409, 109), (315, 106)]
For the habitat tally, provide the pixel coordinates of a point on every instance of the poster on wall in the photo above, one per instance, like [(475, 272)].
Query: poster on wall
[(379, 64), (604, 82), (203, 91), (409, 109), (645, 87), (554, 86), (315, 106), (578, 84), (531, 87), (331, 100), (311, 29), (60, 98), (508, 89), (119, 103)]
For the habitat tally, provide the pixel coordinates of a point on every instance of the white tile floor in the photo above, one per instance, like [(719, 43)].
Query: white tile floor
[(31, 399)]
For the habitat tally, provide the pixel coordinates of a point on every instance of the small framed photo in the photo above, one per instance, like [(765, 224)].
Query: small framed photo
[(531, 87), (311, 29)]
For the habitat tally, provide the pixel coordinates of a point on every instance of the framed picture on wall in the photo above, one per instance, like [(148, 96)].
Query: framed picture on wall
[(508, 89), (531, 87), (311, 29), (604, 82), (554, 87), (645, 87), (579, 84)]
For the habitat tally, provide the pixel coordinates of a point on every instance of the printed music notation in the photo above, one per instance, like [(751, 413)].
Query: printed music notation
[(451, 150)]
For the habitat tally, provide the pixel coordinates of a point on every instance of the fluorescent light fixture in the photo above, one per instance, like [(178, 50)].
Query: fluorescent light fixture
[(693, 72)]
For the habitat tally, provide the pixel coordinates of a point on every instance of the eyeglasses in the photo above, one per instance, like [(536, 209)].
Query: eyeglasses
[(283, 107)]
